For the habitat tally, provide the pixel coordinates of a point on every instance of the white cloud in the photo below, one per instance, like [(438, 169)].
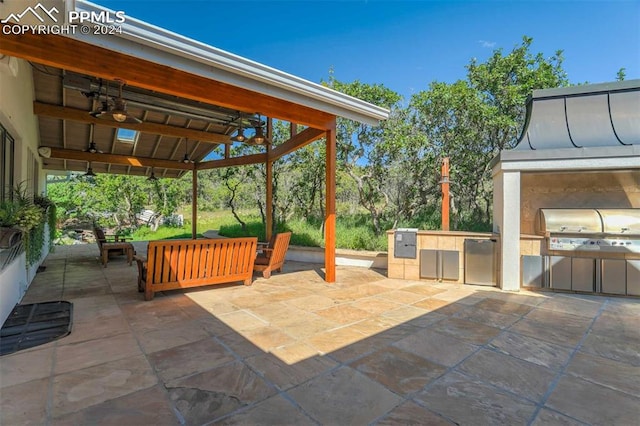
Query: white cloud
[(487, 44)]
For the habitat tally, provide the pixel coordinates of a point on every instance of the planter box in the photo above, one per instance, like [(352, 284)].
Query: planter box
[(9, 237)]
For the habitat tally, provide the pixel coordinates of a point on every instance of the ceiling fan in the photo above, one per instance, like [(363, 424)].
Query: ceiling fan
[(112, 108), (259, 138), (239, 137), (186, 159), (92, 148), (152, 177), (90, 173)]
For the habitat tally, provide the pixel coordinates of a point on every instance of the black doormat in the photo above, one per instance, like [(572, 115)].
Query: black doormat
[(35, 324)]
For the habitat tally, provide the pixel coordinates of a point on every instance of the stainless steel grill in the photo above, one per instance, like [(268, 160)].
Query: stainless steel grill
[(604, 230), (592, 250)]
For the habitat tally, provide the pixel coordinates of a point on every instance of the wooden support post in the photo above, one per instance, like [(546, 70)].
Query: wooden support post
[(194, 204), (330, 218), (445, 193), (269, 185)]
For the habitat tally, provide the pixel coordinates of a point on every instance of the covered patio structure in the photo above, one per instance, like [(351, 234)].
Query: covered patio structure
[(151, 101)]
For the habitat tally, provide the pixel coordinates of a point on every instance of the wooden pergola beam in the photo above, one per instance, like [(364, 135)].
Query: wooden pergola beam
[(297, 141), (126, 160), (233, 161), (79, 115), (74, 55)]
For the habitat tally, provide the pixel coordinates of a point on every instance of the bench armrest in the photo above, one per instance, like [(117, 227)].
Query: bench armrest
[(116, 238), (142, 271), (267, 252), (141, 260)]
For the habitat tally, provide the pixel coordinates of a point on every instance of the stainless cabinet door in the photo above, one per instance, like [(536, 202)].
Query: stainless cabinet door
[(614, 276), (429, 264), (633, 277), (560, 272), (479, 262), (532, 271), (450, 264), (583, 274)]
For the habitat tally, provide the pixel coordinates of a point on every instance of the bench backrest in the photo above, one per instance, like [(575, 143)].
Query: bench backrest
[(100, 237), (195, 260), (280, 247)]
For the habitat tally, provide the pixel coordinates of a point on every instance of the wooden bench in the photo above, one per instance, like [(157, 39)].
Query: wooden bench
[(176, 264), (272, 256), (112, 243)]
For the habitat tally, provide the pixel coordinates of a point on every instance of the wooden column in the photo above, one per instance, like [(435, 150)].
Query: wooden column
[(269, 185), (330, 218), (194, 204), (445, 193)]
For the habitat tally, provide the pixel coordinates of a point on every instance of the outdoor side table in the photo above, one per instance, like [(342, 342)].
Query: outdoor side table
[(126, 247)]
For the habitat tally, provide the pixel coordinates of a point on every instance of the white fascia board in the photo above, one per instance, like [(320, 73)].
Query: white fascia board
[(155, 44), (569, 159), (562, 165)]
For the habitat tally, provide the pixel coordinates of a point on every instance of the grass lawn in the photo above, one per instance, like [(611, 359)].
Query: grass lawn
[(349, 233)]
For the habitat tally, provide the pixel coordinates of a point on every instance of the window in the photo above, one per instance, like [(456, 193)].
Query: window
[(32, 173), (7, 161), (127, 135)]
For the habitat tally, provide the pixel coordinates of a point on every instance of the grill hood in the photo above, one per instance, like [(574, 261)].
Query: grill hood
[(618, 222)]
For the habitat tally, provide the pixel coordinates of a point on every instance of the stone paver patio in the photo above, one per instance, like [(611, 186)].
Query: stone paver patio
[(295, 350)]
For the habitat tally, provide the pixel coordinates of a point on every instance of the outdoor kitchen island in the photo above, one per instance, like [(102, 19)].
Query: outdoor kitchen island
[(566, 203), (451, 256)]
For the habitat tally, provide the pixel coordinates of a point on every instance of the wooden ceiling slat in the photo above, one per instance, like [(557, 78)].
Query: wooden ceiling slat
[(63, 113), (176, 147), (159, 139), (74, 55)]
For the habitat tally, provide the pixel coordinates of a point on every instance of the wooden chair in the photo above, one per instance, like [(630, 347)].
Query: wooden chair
[(104, 238), (112, 243), (272, 257)]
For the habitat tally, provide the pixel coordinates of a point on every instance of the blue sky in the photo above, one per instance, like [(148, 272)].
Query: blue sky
[(405, 45)]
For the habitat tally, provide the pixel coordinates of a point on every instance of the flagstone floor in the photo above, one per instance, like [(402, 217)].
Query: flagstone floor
[(295, 350)]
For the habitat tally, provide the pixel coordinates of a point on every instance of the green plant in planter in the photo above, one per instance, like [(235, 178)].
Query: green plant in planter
[(43, 201), (8, 214), (49, 210), (29, 216)]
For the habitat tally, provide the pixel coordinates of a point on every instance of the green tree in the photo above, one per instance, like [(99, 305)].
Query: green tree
[(472, 120), (363, 151), (116, 199), (621, 74)]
